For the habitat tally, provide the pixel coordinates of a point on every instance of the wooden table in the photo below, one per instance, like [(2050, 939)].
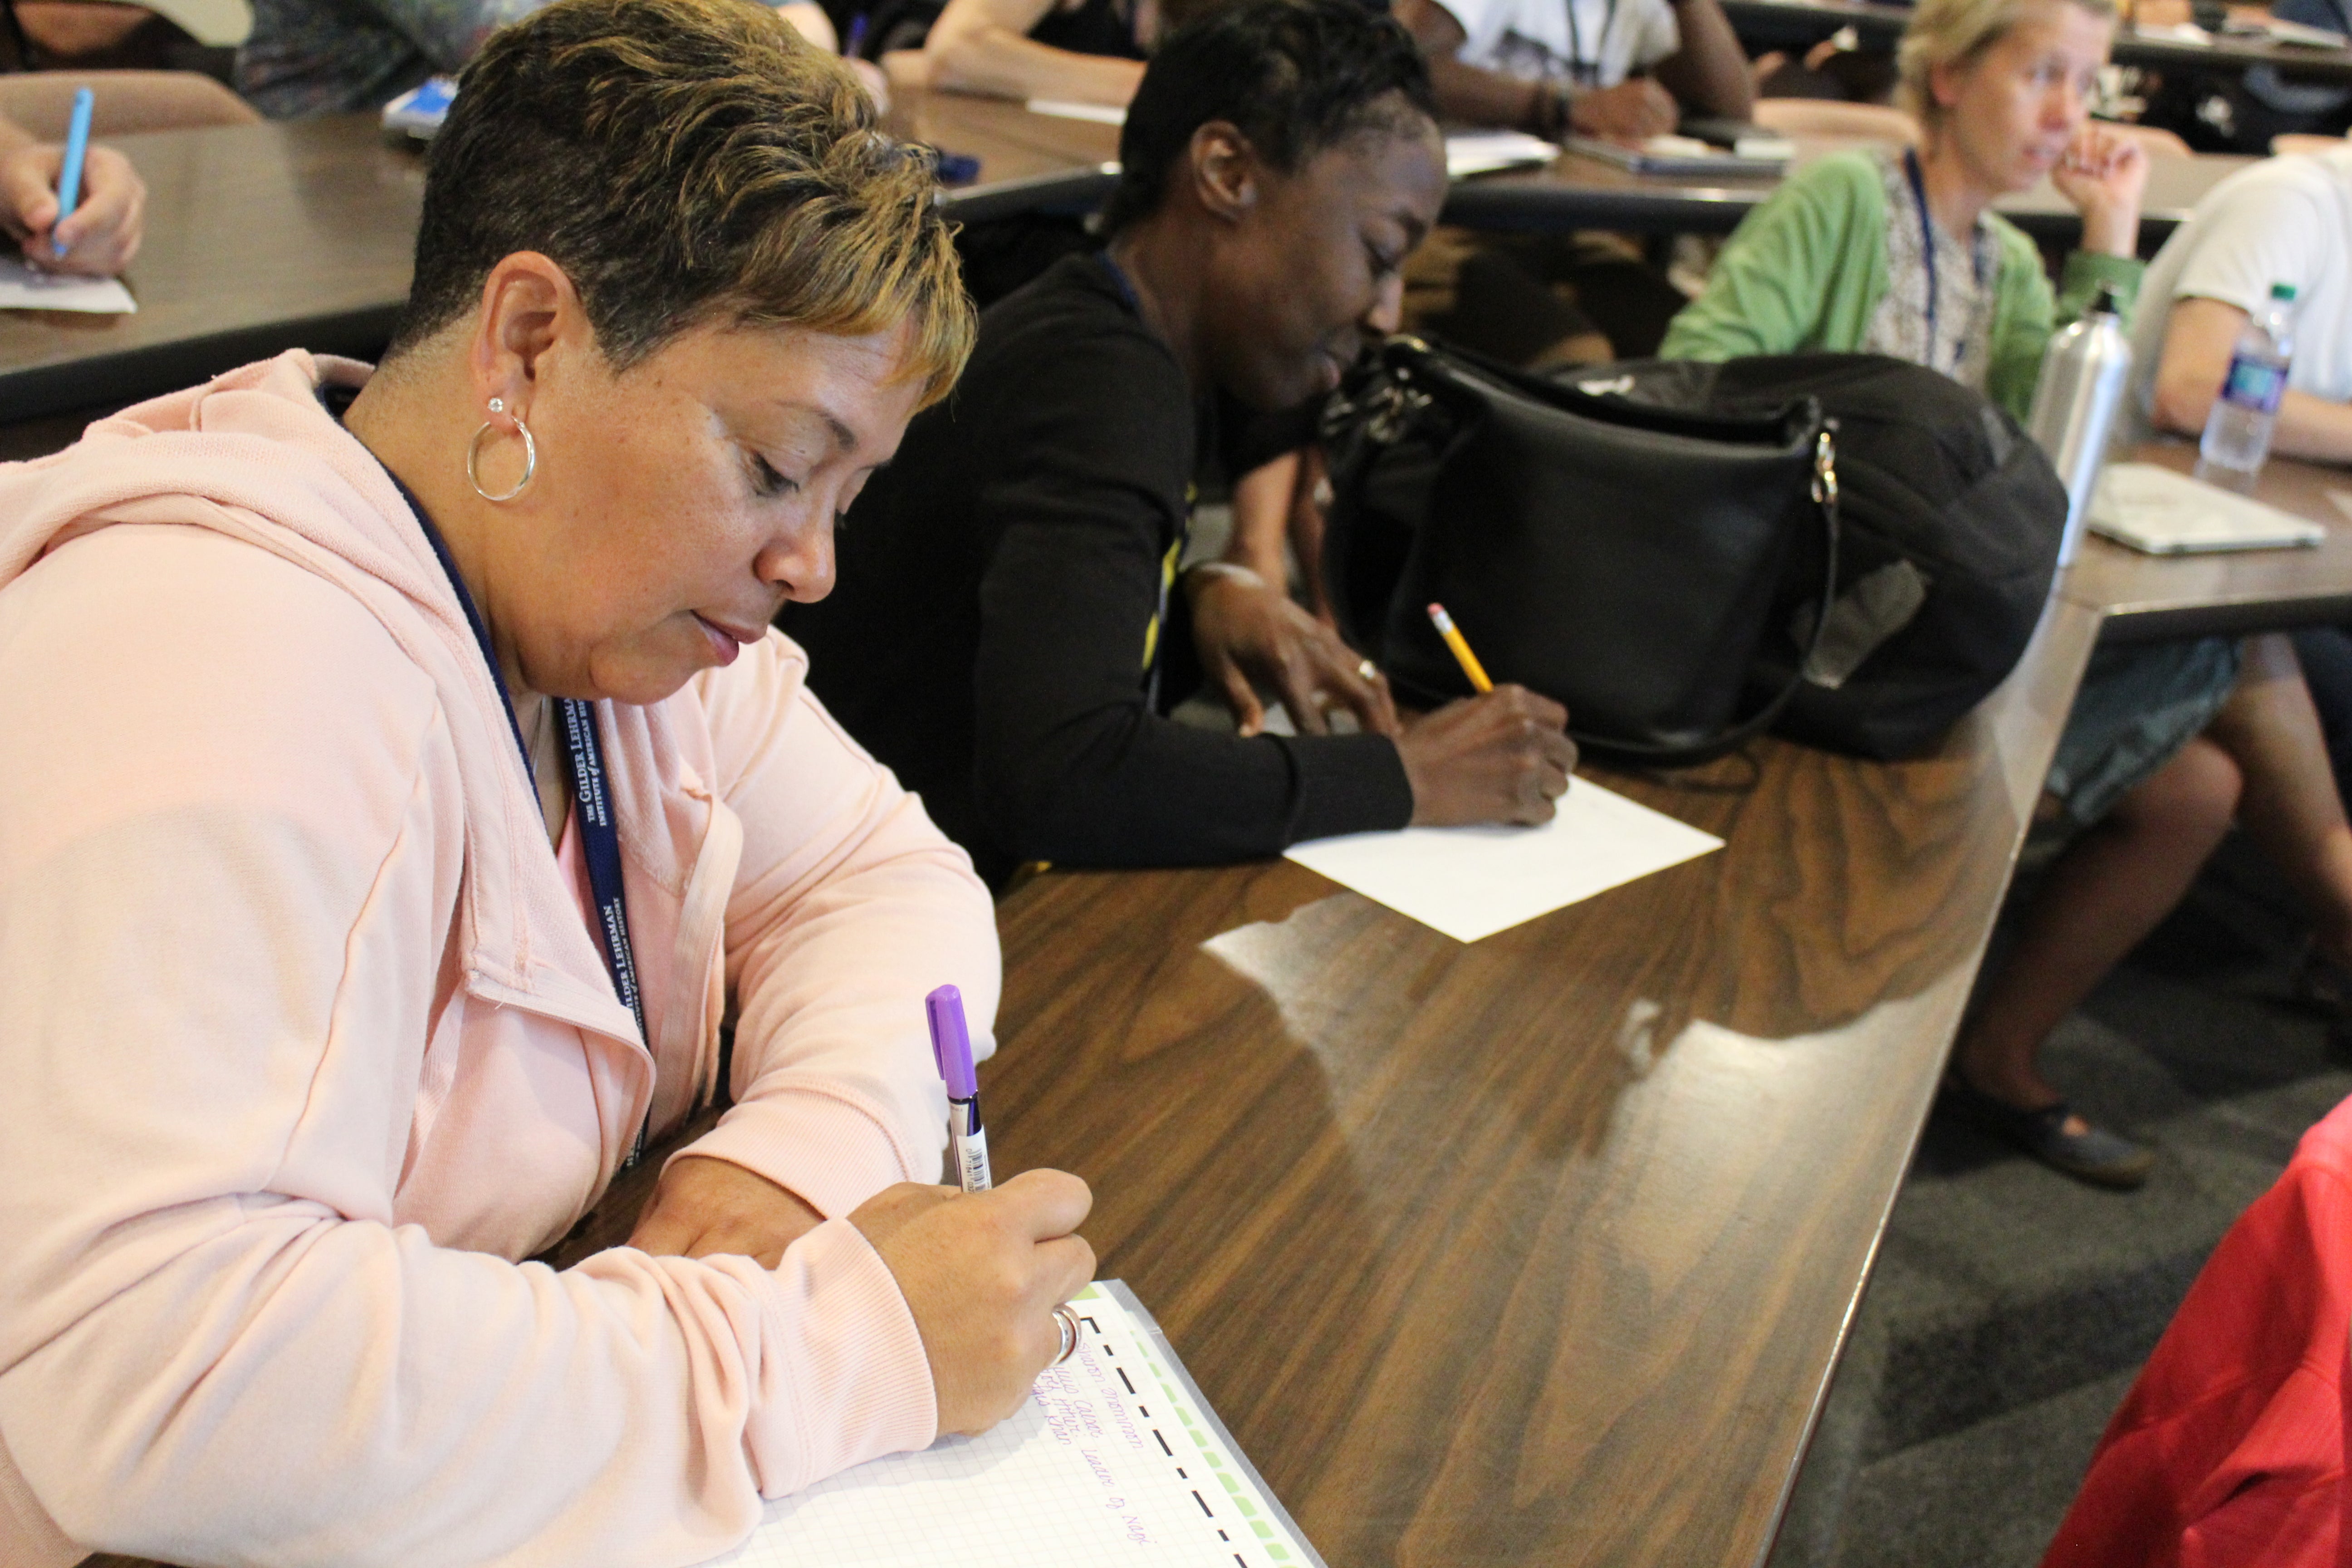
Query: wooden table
[(1027, 162), (2148, 597), (259, 237), (1799, 24), (1576, 192), (1537, 1250), (266, 238)]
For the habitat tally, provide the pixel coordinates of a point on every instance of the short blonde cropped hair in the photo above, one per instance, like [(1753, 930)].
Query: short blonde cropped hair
[(1954, 32), (685, 162)]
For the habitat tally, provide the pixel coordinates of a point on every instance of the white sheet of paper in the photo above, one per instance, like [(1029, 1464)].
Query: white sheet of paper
[(1470, 882), (1483, 152), (22, 289), (1065, 109), (1097, 1471)]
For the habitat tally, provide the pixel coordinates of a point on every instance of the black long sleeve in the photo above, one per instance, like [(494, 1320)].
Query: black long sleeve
[(999, 610)]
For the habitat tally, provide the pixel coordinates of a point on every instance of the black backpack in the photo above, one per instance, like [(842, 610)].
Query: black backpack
[(1951, 521), (1950, 518)]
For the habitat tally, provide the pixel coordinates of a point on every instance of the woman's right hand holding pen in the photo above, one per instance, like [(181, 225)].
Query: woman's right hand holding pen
[(981, 1273), (1501, 757), (103, 232)]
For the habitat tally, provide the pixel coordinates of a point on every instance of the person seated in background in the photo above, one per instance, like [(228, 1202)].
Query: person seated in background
[(1087, 51), (402, 785), (340, 57), (1091, 51), (103, 235), (2283, 220), (1899, 253), (1622, 70), (1011, 626)]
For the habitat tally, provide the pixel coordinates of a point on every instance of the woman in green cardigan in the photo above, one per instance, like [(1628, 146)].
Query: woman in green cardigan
[(1901, 254), (1832, 262)]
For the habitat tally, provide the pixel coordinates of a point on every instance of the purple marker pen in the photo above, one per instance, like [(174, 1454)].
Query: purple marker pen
[(951, 1047)]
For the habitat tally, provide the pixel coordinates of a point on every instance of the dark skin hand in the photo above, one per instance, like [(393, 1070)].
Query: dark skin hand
[(1634, 110), (1251, 634), (1502, 757)]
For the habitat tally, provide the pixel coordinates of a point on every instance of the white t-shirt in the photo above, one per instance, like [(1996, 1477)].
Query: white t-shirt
[(2283, 220), (1585, 43)]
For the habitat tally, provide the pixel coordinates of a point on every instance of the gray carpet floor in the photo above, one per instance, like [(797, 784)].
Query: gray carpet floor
[(2011, 1307)]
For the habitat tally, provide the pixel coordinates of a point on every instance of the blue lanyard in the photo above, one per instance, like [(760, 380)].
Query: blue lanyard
[(600, 837), (1926, 247), (1928, 254)]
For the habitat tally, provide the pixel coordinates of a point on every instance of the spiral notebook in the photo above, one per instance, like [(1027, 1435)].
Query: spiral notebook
[(1115, 1462), (2160, 512)]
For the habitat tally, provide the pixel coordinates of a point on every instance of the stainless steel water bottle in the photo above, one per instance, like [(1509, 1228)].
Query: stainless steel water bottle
[(2074, 402)]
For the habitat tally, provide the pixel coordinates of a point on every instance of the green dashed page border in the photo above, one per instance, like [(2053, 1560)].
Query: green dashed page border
[(1276, 1533)]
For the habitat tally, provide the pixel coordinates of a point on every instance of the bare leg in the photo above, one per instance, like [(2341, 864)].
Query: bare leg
[(2102, 895), (2290, 808)]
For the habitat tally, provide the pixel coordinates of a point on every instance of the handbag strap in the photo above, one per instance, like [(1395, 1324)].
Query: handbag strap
[(1825, 498)]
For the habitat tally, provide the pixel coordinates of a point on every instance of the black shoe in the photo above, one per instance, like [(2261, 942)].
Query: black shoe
[(2092, 1155)]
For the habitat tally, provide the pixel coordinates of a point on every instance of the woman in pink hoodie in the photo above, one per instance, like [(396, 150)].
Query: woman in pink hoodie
[(400, 783)]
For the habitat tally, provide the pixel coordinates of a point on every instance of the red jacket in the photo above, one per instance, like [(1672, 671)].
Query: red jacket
[(2230, 1449)]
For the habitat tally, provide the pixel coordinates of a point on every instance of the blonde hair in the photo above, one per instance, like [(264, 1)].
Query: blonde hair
[(685, 161), (1955, 32)]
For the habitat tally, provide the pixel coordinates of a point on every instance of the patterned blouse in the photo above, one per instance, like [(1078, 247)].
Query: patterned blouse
[(1950, 303)]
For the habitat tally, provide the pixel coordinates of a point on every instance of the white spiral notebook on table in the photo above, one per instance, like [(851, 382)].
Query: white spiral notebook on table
[(1115, 1462), (2160, 512)]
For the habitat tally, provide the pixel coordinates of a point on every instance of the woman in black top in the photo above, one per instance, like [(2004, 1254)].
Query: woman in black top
[(1009, 628)]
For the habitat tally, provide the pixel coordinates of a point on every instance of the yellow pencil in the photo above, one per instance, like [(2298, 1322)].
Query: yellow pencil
[(1462, 654)]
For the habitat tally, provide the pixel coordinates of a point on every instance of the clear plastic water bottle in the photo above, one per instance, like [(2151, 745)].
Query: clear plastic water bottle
[(2238, 431)]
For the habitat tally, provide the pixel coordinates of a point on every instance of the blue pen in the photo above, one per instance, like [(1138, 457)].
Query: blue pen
[(951, 1048), (77, 148)]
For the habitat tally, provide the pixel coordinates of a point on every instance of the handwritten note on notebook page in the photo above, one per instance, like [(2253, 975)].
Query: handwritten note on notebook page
[(1116, 1462), (1470, 882)]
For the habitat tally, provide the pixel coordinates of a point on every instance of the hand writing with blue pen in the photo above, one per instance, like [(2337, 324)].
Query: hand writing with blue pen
[(99, 236)]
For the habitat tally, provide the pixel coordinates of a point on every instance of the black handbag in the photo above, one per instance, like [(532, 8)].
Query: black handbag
[(1950, 526), (1624, 560)]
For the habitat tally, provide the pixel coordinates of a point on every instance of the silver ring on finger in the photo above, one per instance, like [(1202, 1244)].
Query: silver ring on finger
[(1369, 670), (1065, 1318)]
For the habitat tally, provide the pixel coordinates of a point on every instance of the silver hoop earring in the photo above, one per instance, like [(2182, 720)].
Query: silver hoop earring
[(474, 455)]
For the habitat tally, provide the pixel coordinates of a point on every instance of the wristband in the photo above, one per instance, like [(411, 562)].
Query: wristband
[(1235, 570), (1548, 111)]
